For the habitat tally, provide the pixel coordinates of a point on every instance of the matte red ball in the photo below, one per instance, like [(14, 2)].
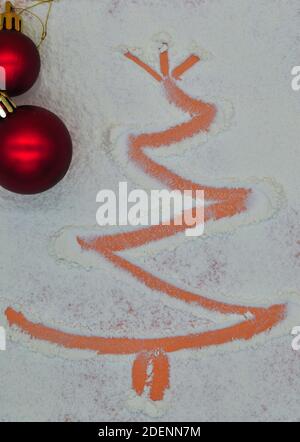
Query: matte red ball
[(35, 150), (21, 61)]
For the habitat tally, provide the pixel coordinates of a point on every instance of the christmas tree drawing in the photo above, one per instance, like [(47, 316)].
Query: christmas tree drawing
[(151, 370)]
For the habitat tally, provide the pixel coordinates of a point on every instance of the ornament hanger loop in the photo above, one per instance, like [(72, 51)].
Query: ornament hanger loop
[(44, 24)]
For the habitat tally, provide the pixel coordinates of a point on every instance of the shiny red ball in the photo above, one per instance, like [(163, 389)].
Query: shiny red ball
[(35, 150), (20, 60)]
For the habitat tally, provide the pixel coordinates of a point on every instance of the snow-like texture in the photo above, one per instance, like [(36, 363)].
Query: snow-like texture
[(248, 49)]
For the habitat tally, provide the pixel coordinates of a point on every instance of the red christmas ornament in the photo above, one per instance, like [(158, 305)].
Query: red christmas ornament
[(21, 62), (35, 145), (35, 150)]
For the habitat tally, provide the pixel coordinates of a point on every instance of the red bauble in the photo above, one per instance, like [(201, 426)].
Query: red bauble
[(21, 61), (35, 150)]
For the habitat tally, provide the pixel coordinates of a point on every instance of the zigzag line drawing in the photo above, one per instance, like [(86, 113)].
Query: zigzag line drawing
[(151, 370)]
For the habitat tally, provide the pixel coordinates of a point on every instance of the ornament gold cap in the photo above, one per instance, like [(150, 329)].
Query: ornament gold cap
[(7, 106), (10, 20)]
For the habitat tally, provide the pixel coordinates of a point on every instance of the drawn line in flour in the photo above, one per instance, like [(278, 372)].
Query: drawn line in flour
[(150, 371)]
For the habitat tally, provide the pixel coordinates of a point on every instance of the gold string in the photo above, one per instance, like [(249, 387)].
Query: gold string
[(43, 24)]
